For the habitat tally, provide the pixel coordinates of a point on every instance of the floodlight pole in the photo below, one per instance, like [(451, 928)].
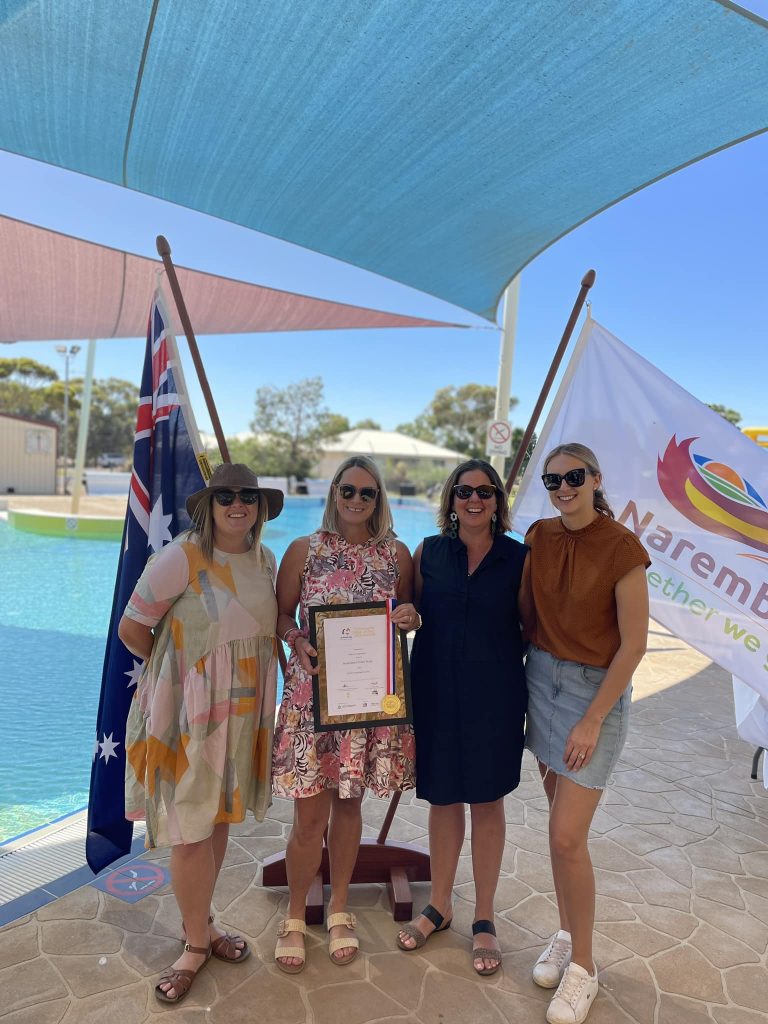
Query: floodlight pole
[(82, 427), (586, 283), (164, 251)]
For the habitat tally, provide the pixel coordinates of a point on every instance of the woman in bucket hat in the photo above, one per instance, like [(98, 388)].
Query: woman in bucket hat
[(199, 736)]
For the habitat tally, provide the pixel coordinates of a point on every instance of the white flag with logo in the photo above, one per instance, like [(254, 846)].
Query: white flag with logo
[(689, 484)]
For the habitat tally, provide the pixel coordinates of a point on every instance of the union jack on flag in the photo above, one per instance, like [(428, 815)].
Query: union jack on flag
[(168, 465)]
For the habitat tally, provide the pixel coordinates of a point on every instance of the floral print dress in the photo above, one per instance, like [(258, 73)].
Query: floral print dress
[(304, 762)]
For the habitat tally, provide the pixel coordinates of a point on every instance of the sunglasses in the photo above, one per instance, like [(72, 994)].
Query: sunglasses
[(248, 496), (485, 492), (367, 494), (574, 478)]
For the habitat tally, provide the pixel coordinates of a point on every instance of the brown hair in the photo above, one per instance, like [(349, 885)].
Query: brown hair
[(588, 457), (380, 524), (202, 526), (502, 523)]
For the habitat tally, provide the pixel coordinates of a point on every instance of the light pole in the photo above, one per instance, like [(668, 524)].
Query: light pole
[(68, 353)]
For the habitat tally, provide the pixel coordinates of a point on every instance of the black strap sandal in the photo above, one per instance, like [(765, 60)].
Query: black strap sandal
[(419, 937), (483, 953)]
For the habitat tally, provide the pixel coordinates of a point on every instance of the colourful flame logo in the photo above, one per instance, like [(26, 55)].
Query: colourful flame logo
[(714, 496)]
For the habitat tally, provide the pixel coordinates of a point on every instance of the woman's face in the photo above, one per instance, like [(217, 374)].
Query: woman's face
[(573, 503), (474, 512), (232, 523), (356, 496)]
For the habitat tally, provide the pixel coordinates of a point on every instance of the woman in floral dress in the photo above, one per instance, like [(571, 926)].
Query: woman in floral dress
[(354, 557), (199, 735)]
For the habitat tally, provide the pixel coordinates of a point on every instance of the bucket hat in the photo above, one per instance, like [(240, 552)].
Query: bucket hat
[(235, 475)]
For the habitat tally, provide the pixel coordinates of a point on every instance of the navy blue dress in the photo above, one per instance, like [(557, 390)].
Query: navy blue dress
[(467, 674)]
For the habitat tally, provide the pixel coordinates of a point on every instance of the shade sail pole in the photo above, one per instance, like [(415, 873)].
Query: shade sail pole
[(506, 355), (586, 283), (164, 251), (82, 427)]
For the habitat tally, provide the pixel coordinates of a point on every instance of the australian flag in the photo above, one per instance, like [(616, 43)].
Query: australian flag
[(168, 465)]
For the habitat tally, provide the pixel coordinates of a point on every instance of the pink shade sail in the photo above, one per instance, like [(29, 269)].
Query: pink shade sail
[(56, 287)]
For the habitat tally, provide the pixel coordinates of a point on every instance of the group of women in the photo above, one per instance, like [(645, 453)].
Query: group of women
[(516, 645)]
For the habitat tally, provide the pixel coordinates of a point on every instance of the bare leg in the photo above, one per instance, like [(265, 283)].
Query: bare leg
[(343, 844), (488, 832), (572, 811), (549, 779), (302, 859), (446, 834), (220, 841), (193, 874)]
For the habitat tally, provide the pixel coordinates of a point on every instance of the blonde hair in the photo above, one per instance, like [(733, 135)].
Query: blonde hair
[(502, 523), (588, 457), (380, 525), (203, 527)]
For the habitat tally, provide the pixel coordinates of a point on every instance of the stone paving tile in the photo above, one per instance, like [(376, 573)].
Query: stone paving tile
[(680, 845)]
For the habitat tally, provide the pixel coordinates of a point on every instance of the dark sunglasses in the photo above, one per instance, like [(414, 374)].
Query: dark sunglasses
[(574, 478), (248, 496), (465, 492), (367, 494)]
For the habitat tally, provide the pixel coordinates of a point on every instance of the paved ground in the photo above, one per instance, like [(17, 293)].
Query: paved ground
[(681, 851)]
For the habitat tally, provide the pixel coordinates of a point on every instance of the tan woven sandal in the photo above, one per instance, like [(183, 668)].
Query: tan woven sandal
[(351, 941), (291, 924), (419, 937), (181, 980), (482, 953)]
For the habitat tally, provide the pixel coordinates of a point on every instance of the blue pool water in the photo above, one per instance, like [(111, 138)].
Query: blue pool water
[(55, 603)]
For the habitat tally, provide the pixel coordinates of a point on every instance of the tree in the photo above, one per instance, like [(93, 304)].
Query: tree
[(291, 422), (367, 424), (728, 414), (457, 418), (331, 424)]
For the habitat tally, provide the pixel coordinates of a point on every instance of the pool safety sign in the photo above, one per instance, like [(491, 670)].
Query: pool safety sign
[(133, 881), (498, 438)]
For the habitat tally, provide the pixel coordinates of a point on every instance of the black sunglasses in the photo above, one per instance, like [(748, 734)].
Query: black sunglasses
[(248, 496), (367, 494), (465, 492), (574, 478)]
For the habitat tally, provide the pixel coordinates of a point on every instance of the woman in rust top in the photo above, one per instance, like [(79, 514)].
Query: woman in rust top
[(585, 602)]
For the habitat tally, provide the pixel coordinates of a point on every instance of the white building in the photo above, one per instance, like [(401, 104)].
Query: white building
[(27, 456), (384, 445)]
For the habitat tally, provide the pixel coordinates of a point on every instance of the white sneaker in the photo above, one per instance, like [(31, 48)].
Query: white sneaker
[(574, 997), (548, 969)]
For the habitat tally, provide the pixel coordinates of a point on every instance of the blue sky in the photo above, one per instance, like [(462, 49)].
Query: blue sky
[(681, 278)]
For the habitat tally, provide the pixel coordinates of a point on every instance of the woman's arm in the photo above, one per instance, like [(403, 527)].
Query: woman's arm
[(405, 615), (137, 637), (631, 594), (525, 607), (288, 596)]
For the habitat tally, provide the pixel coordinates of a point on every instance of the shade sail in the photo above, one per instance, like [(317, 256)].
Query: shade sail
[(442, 143), (53, 286)]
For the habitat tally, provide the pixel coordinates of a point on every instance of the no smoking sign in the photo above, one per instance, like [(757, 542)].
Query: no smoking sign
[(498, 438)]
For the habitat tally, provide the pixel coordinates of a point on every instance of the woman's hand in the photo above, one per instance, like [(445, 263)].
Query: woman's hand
[(304, 651), (581, 743), (406, 617)]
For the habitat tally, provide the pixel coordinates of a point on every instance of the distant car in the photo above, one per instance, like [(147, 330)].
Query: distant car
[(111, 460)]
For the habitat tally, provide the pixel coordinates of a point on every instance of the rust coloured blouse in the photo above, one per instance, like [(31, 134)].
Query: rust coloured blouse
[(573, 574)]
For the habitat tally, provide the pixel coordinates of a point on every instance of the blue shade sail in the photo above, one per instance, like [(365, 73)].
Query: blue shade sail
[(442, 143)]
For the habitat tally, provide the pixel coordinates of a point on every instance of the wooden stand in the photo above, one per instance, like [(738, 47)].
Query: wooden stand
[(378, 860)]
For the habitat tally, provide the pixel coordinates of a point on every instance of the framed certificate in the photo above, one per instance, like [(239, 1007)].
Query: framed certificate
[(363, 679)]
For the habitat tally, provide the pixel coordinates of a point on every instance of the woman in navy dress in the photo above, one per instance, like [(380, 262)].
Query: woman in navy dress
[(469, 695)]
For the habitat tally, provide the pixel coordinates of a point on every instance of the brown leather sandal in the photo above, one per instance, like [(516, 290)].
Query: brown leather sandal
[(418, 936), (225, 947), (181, 980), (485, 953)]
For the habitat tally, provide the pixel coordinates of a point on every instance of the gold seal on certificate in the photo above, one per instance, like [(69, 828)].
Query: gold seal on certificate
[(391, 704), (362, 660)]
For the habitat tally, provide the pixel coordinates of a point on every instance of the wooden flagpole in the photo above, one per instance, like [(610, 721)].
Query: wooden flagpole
[(164, 251), (586, 283)]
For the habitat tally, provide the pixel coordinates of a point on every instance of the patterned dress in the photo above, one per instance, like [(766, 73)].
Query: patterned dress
[(304, 762), (199, 735)]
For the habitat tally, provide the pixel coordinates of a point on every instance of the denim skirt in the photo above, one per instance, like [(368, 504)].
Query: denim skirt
[(559, 693)]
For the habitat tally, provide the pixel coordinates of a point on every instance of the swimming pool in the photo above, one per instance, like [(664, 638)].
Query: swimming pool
[(55, 602)]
